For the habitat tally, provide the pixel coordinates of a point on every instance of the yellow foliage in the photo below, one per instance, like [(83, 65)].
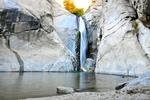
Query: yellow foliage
[(69, 5)]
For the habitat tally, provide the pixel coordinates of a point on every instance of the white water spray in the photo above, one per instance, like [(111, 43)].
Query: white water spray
[(83, 43)]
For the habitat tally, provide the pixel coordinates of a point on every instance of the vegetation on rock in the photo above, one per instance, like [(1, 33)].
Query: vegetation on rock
[(69, 5), (134, 24)]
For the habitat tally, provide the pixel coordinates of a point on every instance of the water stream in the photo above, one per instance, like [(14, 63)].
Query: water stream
[(83, 42)]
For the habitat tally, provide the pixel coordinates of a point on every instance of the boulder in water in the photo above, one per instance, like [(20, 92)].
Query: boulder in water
[(65, 90), (90, 65)]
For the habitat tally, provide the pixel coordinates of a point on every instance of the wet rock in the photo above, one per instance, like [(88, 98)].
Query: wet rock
[(120, 86), (90, 65)]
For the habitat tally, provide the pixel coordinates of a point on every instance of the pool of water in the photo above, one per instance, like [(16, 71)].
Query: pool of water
[(37, 84)]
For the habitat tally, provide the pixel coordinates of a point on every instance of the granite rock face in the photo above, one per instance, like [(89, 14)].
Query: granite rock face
[(121, 47), (92, 19), (29, 38), (43, 37), (66, 26)]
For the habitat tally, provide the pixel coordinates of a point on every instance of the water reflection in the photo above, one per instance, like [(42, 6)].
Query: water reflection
[(15, 86), (87, 81)]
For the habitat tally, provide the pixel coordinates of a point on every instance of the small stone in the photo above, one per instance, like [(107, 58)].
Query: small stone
[(120, 86)]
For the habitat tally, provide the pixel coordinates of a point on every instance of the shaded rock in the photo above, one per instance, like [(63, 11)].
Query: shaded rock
[(120, 86), (65, 90), (142, 8), (92, 20)]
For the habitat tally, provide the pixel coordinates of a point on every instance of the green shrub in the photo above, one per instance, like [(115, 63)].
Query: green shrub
[(78, 12), (69, 5), (135, 25)]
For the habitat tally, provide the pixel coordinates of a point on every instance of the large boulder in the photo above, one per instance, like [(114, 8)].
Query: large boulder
[(65, 90), (32, 42), (89, 65)]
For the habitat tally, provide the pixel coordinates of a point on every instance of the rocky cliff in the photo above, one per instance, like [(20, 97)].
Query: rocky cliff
[(122, 34), (43, 36), (33, 36)]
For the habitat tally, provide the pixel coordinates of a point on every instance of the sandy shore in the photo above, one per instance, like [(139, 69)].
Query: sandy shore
[(112, 95)]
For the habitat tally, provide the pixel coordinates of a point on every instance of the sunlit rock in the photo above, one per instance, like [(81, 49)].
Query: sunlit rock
[(31, 38), (119, 51), (8, 60), (65, 90), (65, 24)]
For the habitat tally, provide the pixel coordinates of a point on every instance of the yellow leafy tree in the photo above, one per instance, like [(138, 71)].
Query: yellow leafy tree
[(69, 5)]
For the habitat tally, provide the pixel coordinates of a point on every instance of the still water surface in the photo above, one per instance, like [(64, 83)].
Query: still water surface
[(27, 85)]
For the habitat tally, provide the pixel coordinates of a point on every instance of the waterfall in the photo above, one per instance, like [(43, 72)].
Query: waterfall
[(83, 43)]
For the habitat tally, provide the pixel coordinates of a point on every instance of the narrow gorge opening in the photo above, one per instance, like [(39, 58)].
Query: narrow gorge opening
[(47, 52), (78, 8)]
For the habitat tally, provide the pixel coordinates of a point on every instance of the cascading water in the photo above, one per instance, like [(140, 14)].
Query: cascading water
[(83, 43)]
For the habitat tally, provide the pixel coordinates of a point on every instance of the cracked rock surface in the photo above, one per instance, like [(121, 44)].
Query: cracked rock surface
[(123, 44), (29, 38)]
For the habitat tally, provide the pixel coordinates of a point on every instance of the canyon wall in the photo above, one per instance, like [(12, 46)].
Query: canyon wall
[(40, 35), (33, 36), (122, 36)]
